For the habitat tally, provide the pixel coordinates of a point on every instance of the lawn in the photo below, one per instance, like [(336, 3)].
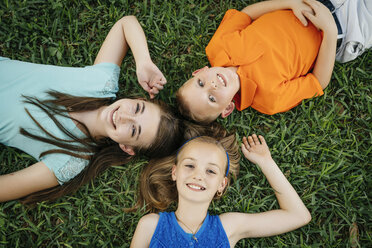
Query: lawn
[(323, 145)]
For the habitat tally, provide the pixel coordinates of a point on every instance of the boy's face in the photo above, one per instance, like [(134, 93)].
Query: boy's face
[(210, 92)]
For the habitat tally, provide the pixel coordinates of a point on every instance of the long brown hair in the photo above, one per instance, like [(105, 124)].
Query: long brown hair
[(157, 191), (102, 153)]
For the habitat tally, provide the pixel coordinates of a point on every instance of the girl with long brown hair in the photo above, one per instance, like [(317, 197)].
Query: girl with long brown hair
[(198, 173), (65, 117)]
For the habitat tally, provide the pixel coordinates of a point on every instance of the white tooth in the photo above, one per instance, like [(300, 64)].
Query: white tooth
[(221, 79), (113, 118), (194, 187)]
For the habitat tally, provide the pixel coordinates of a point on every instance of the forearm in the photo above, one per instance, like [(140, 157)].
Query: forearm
[(326, 59), (258, 9), (136, 39), (24, 182), (286, 195)]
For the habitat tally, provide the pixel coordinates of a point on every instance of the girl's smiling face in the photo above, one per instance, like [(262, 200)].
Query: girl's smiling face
[(200, 171), (131, 122)]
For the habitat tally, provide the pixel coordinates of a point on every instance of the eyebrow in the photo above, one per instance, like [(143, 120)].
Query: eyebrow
[(215, 165), (139, 127), (212, 164)]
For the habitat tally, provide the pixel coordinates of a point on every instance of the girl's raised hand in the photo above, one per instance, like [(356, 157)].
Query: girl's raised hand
[(150, 78), (255, 149)]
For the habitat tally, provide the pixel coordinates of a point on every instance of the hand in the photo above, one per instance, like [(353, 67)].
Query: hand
[(150, 78), (255, 151), (321, 17), (298, 7)]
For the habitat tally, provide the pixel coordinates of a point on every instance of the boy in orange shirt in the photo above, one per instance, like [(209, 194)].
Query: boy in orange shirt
[(270, 64)]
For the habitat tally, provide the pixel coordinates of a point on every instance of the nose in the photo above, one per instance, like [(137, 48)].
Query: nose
[(124, 117), (213, 84), (198, 174)]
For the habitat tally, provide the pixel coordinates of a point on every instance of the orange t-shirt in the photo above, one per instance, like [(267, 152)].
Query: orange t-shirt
[(274, 55)]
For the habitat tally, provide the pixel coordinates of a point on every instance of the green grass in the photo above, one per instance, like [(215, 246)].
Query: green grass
[(323, 145)]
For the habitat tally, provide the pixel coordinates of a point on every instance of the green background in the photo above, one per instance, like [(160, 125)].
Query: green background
[(323, 145)]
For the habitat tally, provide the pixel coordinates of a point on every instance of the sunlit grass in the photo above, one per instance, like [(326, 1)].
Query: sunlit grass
[(323, 145)]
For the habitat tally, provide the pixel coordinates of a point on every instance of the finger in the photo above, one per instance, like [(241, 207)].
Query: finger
[(312, 3), (154, 91), (162, 80), (151, 96), (145, 86), (262, 139), (159, 86), (255, 139), (245, 142), (245, 150), (302, 19), (155, 81), (309, 16), (250, 141)]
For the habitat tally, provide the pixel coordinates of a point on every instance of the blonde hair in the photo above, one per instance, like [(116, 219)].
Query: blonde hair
[(157, 191), (185, 110)]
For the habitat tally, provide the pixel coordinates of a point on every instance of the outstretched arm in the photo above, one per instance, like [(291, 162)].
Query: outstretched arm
[(32, 179), (128, 33), (292, 213), (323, 20)]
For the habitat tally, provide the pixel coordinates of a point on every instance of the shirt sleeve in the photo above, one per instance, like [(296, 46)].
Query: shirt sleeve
[(233, 21), (64, 167), (288, 95)]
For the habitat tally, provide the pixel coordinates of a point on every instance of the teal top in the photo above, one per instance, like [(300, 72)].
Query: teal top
[(21, 78)]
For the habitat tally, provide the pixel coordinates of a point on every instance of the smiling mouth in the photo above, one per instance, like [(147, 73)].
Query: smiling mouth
[(113, 117), (195, 187), (222, 80)]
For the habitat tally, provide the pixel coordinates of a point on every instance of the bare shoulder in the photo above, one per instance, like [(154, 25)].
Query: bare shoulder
[(229, 221), (144, 231), (149, 221)]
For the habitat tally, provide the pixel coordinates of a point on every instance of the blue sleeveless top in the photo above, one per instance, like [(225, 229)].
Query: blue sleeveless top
[(168, 233)]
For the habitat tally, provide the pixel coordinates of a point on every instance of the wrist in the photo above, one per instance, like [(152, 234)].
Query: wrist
[(143, 60), (265, 162)]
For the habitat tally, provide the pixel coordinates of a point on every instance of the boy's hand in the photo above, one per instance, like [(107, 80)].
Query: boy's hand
[(298, 7), (255, 151), (150, 78), (321, 17)]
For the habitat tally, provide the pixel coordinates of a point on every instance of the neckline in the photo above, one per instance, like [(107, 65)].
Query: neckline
[(186, 235)]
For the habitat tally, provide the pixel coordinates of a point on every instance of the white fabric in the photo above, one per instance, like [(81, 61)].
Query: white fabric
[(355, 17)]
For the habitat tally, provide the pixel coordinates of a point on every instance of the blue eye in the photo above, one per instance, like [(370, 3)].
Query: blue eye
[(200, 83), (212, 99)]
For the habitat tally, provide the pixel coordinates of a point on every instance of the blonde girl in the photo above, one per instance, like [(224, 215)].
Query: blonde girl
[(197, 174)]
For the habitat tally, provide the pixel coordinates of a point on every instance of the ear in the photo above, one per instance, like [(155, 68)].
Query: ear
[(127, 149), (174, 172), (199, 70), (223, 184), (228, 110)]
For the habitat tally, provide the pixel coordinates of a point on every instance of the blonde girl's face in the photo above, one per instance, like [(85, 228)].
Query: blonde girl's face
[(200, 171)]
